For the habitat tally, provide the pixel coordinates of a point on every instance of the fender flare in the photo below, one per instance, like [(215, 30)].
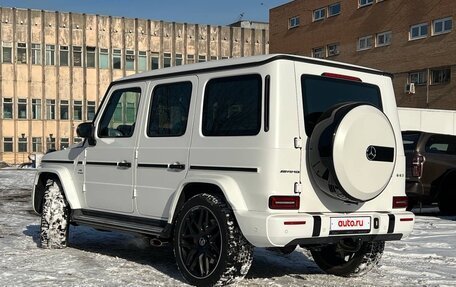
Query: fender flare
[(227, 185), (66, 181)]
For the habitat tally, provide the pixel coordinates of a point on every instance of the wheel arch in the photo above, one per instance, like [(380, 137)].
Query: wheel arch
[(66, 183), (223, 186)]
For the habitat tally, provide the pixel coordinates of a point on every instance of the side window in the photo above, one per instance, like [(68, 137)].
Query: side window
[(169, 110), (232, 106), (441, 144), (119, 117)]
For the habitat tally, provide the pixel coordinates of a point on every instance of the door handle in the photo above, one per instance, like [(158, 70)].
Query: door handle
[(176, 166), (123, 164)]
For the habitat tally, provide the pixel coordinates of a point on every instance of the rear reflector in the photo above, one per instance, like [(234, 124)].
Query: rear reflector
[(400, 201), (284, 202), (406, 219), (294, 223), (342, 77)]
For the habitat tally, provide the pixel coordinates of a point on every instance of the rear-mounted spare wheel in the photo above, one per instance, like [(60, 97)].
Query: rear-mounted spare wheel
[(352, 152)]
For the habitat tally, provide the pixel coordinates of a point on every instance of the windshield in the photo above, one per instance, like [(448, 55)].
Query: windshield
[(322, 93)]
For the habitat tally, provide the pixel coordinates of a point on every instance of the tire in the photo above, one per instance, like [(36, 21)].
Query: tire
[(54, 218), (447, 203), (352, 152), (209, 247), (339, 260)]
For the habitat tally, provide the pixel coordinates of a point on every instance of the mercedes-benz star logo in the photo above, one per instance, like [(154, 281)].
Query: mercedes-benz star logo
[(371, 153)]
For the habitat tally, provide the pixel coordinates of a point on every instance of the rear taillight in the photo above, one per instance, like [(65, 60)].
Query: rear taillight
[(400, 201), (341, 77), (283, 202), (417, 165)]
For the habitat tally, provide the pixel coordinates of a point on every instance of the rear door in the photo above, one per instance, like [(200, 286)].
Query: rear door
[(163, 148)]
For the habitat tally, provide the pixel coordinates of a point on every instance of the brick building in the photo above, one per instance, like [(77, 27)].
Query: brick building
[(414, 40), (55, 67)]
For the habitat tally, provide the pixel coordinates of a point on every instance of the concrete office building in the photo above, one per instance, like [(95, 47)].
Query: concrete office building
[(55, 67), (414, 40)]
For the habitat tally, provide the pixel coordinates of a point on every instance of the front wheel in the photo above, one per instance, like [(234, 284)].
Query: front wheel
[(349, 258), (208, 244), (55, 217)]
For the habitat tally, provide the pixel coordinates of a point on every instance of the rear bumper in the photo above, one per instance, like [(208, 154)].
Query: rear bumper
[(266, 230), (416, 190)]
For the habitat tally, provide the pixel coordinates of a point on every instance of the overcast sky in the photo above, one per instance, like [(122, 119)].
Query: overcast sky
[(184, 11)]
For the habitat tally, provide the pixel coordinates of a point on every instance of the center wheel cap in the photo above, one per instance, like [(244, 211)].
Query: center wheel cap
[(202, 241)]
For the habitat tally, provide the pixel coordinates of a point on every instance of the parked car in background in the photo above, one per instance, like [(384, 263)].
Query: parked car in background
[(431, 169)]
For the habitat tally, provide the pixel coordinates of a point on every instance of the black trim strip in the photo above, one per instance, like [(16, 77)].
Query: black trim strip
[(152, 165), (392, 222), (121, 217), (254, 64), (317, 226), (222, 168), (380, 153), (57, 161), (101, 163), (267, 95)]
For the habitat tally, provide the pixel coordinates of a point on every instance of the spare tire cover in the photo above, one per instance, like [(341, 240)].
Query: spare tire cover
[(352, 152)]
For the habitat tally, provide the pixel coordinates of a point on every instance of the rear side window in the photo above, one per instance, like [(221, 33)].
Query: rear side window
[(441, 144), (169, 110), (410, 140), (322, 93), (232, 106)]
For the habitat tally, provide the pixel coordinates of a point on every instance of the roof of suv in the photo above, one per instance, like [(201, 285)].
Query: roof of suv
[(243, 63)]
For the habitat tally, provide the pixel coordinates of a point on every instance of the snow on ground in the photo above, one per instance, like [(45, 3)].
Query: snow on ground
[(95, 258)]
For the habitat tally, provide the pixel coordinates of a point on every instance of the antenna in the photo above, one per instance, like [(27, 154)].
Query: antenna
[(241, 16)]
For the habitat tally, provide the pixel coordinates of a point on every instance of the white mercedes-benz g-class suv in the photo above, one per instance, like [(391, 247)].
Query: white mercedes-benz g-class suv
[(220, 157)]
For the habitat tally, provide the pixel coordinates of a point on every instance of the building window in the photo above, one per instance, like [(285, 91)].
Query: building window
[(104, 59), (293, 22), (178, 59), (63, 55), (64, 110), (117, 59), (418, 31), (190, 59), (36, 54), (90, 54), (442, 26), (64, 143), (50, 109), (36, 109), (418, 78), (36, 144), (363, 3), (142, 61), (384, 39), (318, 52), (319, 14), (50, 145), (22, 144), (77, 140), (7, 52), (50, 55), (333, 9), (201, 58), (21, 53), (364, 43), (7, 108), (440, 76), (333, 49), (166, 60), (77, 110), (214, 58), (90, 110), (8, 144), (77, 56), (130, 60), (22, 108), (155, 60)]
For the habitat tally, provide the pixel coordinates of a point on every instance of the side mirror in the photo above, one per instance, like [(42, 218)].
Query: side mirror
[(86, 131)]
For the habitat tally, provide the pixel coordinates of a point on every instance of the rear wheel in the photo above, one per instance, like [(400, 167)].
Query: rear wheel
[(447, 202), (349, 258), (55, 217), (208, 244)]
